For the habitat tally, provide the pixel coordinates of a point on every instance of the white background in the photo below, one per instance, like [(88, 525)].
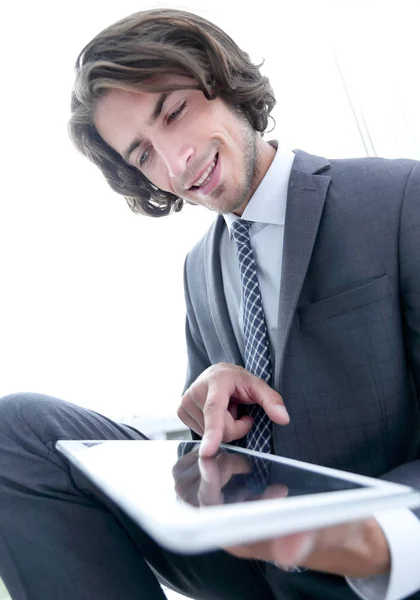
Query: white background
[(91, 295)]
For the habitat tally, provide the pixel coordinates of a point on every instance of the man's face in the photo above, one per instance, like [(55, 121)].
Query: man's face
[(192, 147)]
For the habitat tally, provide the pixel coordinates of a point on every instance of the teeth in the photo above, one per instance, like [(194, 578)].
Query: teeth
[(206, 175)]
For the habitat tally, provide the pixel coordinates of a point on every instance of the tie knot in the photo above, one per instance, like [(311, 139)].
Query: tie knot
[(240, 231)]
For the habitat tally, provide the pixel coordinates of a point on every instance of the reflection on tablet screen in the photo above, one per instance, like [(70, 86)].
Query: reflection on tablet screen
[(228, 477), (231, 476)]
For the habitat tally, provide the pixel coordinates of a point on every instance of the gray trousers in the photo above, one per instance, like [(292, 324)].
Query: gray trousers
[(61, 539)]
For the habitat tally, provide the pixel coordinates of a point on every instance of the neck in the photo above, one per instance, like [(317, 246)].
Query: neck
[(265, 154)]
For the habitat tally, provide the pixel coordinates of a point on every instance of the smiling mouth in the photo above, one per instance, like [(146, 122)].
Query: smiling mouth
[(206, 176)]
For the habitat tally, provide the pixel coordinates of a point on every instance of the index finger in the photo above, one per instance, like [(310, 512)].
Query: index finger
[(214, 412)]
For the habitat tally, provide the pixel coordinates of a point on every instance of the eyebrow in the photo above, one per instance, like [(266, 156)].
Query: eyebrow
[(155, 115)]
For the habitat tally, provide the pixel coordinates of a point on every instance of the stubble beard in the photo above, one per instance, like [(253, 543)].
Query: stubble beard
[(223, 204), (250, 174)]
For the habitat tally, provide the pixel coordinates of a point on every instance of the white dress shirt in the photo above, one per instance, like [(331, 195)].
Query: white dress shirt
[(267, 210)]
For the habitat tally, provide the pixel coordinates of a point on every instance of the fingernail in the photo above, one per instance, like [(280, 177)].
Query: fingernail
[(282, 412)]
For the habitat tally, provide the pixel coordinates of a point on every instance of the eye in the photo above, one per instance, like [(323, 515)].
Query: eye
[(173, 116), (143, 158)]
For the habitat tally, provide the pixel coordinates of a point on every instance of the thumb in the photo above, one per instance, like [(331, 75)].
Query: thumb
[(270, 401)]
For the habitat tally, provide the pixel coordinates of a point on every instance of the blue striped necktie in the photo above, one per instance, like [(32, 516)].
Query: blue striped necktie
[(257, 349)]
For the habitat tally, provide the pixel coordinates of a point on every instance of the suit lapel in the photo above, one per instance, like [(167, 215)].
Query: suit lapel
[(305, 202), (216, 296)]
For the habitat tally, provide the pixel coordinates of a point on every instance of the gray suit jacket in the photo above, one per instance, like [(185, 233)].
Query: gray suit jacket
[(347, 357)]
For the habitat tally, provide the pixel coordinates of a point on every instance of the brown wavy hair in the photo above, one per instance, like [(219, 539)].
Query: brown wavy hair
[(132, 54)]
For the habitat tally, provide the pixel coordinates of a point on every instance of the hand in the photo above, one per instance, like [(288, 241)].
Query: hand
[(357, 549), (210, 405)]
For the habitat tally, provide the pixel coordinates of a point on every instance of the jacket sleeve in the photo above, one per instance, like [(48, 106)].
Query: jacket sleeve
[(410, 271), (197, 358), (409, 257), (402, 533)]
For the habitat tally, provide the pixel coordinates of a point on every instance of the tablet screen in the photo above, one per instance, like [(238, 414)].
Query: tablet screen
[(190, 505), (230, 476)]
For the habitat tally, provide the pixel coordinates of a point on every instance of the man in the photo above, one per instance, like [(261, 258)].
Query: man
[(309, 280)]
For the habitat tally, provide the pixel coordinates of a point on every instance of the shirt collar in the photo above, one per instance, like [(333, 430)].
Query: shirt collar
[(268, 203)]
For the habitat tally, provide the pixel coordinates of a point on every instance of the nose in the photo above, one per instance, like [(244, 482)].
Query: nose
[(176, 158)]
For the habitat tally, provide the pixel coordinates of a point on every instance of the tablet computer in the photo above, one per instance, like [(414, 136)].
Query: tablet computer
[(190, 505)]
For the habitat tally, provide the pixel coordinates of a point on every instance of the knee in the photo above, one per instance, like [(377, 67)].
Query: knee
[(12, 405), (29, 426), (19, 407)]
